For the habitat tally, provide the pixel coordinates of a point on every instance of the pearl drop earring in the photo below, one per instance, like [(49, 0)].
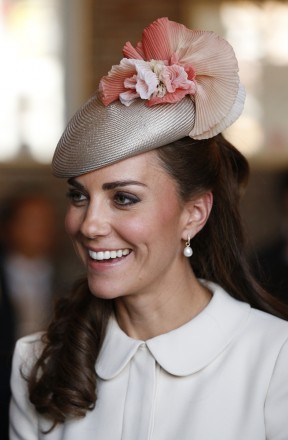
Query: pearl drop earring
[(188, 250)]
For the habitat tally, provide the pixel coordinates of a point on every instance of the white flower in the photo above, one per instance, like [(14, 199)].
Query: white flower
[(143, 84)]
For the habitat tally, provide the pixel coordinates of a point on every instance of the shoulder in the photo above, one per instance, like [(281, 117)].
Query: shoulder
[(23, 416), (268, 325), (30, 343), (252, 327), (27, 350), (263, 335), (269, 337)]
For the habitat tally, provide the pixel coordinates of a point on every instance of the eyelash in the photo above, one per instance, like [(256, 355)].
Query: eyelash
[(132, 200), (77, 197)]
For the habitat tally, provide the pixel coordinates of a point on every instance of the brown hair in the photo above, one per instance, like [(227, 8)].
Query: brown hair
[(66, 385), (219, 248)]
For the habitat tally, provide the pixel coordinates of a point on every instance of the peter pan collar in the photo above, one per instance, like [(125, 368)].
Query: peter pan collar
[(185, 350)]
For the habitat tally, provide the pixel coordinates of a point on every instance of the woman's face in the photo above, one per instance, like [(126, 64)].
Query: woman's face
[(127, 223)]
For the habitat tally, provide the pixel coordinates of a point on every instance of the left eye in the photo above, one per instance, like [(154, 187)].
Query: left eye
[(76, 196), (125, 199)]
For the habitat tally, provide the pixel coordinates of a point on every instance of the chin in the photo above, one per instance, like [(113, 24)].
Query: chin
[(103, 292)]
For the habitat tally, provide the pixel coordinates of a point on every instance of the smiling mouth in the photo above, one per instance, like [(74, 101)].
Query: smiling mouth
[(108, 255)]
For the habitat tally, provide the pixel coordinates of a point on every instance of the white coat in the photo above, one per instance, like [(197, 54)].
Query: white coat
[(221, 376)]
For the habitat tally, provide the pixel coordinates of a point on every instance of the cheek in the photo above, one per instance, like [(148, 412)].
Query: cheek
[(153, 226), (133, 229), (72, 222)]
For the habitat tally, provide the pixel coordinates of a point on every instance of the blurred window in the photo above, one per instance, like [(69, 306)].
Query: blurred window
[(258, 32), (31, 79)]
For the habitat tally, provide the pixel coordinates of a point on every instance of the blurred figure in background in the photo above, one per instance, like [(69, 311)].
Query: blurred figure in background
[(7, 338), (28, 242), (271, 265), (28, 234)]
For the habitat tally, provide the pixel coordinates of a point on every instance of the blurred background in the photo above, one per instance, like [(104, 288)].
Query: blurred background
[(53, 53)]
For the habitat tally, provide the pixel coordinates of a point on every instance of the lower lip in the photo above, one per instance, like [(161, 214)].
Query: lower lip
[(102, 265)]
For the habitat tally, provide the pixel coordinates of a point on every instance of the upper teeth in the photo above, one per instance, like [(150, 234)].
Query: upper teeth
[(106, 255)]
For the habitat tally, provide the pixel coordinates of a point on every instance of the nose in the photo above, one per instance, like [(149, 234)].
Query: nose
[(96, 221)]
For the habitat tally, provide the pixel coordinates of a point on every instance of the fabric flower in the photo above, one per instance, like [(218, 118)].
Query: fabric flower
[(176, 83), (171, 62), (144, 82)]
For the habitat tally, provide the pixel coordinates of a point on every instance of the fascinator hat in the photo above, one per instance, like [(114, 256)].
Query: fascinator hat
[(174, 83)]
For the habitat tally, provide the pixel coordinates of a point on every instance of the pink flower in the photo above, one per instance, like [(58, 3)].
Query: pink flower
[(142, 84), (171, 62), (174, 77), (175, 81), (112, 85), (154, 51)]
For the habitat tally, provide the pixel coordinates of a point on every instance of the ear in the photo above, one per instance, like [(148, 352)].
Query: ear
[(197, 212)]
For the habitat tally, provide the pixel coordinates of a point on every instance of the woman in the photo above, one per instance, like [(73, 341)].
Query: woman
[(160, 342)]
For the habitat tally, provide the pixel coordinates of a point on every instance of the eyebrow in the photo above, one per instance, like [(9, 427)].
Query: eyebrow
[(107, 186), (73, 182), (121, 183)]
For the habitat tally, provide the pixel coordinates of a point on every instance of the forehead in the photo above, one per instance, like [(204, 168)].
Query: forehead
[(145, 166)]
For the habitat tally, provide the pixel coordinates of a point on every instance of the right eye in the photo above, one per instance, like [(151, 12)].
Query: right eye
[(76, 196)]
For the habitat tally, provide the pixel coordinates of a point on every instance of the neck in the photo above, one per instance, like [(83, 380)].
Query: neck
[(146, 316)]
